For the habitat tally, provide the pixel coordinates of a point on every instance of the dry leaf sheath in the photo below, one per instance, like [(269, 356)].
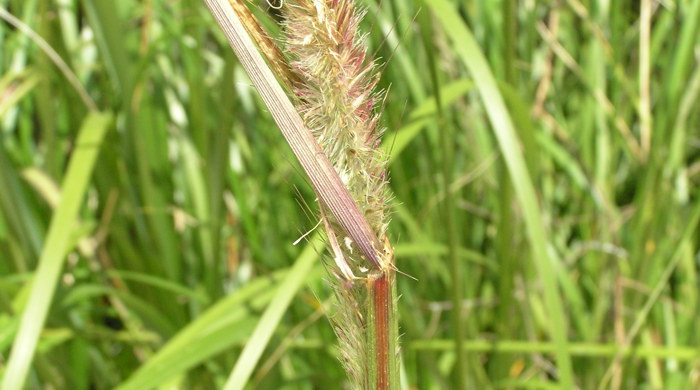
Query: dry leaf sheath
[(323, 177)]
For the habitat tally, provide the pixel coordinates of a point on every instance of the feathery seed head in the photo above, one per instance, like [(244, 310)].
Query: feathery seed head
[(335, 94)]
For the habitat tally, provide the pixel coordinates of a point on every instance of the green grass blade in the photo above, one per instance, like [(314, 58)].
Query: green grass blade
[(578, 349), (54, 252), (448, 213), (104, 18), (18, 85), (469, 52), (273, 314), (682, 59), (161, 283), (223, 325), (424, 115), (204, 337)]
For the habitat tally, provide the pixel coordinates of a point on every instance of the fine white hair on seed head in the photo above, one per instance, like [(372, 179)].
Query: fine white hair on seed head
[(269, 3)]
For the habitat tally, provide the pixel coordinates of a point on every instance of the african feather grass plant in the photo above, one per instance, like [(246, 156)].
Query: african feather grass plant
[(333, 130)]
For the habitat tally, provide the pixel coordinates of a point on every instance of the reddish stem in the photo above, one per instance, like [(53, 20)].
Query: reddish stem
[(381, 293)]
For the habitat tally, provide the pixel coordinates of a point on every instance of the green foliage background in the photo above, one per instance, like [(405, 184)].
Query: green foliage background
[(544, 168)]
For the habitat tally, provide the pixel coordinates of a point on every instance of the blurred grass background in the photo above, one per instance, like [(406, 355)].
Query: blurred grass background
[(544, 166)]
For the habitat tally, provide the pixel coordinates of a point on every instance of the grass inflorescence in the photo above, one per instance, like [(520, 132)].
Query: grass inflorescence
[(337, 97)]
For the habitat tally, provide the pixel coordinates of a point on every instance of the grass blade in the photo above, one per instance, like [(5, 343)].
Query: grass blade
[(53, 255), (273, 314), (226, 323)]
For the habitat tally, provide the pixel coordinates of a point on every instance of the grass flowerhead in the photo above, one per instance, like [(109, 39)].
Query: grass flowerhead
[(336, 96)]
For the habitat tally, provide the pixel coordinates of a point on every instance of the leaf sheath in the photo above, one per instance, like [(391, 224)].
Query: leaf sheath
[(324, 178)]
